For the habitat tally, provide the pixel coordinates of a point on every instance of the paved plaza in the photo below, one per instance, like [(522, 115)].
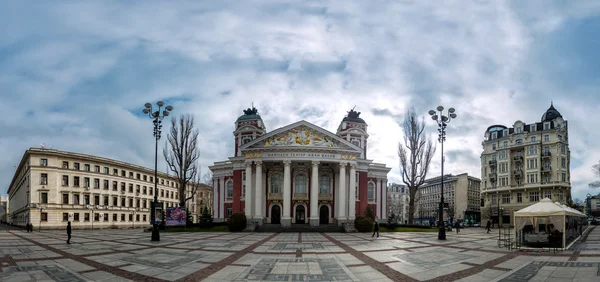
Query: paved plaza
[(129, 255)]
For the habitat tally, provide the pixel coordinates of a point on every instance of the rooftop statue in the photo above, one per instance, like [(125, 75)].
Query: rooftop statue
[(251, 111), (353, 114)]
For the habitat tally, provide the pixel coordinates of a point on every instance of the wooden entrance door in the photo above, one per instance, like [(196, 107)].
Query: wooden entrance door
[(276, 214), (324, 215), (300, 214)]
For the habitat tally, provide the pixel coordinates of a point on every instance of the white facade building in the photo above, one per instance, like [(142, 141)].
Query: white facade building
[(397, 201), (51, 187)]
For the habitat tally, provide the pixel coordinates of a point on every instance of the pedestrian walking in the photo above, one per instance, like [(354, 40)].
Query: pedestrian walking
[(488, 226), (69, 232), (376, 230), (457, 227)]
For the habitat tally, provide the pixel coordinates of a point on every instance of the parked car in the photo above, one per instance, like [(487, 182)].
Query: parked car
[(476, 225)]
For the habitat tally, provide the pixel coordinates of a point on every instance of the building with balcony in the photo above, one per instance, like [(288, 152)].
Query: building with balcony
[(523, 164), (299, 174), (461, 199), (202, 199), (51, 187), (397, 202)]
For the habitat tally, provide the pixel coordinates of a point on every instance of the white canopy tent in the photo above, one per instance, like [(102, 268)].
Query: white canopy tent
[(547, 212)]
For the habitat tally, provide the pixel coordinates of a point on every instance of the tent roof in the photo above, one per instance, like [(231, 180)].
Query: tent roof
[(546, 207)]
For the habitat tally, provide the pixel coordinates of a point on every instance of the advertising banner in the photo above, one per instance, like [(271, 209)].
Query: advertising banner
[(158, 214), (176, 216)]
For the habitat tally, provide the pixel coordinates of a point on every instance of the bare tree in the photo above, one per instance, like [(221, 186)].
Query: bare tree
[(181, 153), (207, 178), (596, 170), (415, 156)]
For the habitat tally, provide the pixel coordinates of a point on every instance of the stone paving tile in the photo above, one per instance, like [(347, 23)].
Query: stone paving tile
[(124, 255)]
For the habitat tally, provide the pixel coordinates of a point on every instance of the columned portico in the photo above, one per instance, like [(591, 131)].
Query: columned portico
[(341, 207), (286, 219), (352, 193), (378, 199), (314, 194), (297, 174)]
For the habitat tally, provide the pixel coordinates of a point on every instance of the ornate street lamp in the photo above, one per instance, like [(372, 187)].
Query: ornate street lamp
[(157, 117), (442, 120)]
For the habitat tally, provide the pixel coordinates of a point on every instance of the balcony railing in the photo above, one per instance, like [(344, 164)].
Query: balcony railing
[(324, 197), (300, 196), (492, 162), (492, 175), (518, 158), (547, 168), (275, 196), (518, 172), (546, 154)]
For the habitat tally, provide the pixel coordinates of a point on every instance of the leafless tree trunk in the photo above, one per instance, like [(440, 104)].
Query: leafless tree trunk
[(415, 156), (486, 213), (596, 171), (181, 153)]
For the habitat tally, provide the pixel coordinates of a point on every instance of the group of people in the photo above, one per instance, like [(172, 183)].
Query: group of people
[(29, 227)]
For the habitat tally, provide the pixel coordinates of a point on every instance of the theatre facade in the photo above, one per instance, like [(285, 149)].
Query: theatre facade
[(299, 174)]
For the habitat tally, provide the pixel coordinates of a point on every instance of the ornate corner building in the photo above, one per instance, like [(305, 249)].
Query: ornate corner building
[(523, 164), (299, 174)]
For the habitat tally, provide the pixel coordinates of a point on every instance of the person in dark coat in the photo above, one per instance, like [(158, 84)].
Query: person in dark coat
[(488, 226), (457, 226), (376, 230), (69, 233)]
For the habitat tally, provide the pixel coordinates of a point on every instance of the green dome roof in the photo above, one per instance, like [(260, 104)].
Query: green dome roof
[(250, 113)]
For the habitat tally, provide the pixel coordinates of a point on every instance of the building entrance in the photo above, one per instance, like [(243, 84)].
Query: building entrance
[(276, 214), (300, 214), (324, 215)]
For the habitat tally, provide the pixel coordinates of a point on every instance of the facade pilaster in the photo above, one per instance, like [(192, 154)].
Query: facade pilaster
[(286, 219), (258, 196), (248, 195), (378, 199), (341, 208), (314, 194), (352, 193), (222, 195)]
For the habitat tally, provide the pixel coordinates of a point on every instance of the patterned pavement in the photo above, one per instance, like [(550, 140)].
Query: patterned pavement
[(129, 255)]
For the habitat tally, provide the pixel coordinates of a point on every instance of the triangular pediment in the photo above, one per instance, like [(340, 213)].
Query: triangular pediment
[(301, 134)]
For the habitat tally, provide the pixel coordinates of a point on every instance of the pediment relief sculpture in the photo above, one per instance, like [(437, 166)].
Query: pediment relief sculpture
[(301, 136)]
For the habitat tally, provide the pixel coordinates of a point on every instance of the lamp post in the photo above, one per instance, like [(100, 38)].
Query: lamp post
[(157, 117), (91, 207), (442, 121)]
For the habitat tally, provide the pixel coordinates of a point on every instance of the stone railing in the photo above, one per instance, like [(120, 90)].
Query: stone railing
[(275, 196)]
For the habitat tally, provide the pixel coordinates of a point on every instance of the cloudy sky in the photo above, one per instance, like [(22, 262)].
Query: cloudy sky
[(76, 74)]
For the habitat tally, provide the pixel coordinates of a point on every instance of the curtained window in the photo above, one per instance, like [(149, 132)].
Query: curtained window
[(371, 191), (229, 189), (300, 183), (324, 184), (276, 183)]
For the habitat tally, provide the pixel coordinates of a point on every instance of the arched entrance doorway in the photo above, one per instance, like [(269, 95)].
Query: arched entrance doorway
[(276, 214), (324, 215), (300, 214)]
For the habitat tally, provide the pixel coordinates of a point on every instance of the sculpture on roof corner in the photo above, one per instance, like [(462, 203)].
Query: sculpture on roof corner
[(251, 111), (353, 114)]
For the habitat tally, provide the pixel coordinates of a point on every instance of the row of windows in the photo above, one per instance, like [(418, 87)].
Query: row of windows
[(77, 199), (533, 197), (86, 217), (300, 185), (145, 190), (106, 170)]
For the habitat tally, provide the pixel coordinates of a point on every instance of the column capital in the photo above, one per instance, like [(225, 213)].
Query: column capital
[(248, 163), (258, 163), (315, 163), (343, 164), (353, 165), (287, 163)]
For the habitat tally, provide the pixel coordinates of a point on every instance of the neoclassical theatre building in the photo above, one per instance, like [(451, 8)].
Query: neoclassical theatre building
[(299, 174)]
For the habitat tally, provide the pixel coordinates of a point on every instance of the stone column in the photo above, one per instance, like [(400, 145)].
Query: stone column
[(248, 196), (378, 199), (286, 219), (384, 200), (258, 196), (341, 208), (222, 195), (352, 193), (314, 195)]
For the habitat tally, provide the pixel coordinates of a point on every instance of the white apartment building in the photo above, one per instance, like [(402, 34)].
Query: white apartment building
[(397, 202), (461, 198), (523, 164), (51, 187)]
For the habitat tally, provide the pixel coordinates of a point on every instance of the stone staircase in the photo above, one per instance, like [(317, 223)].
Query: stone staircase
[(304, 228)]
